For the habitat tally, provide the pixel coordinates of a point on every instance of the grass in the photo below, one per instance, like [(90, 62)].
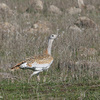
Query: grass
[(23, 90), (71, 88)]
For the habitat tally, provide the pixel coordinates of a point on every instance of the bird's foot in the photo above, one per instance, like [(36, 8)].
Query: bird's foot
[(38, 78)]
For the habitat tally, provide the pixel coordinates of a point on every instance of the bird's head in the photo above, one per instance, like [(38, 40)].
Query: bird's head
[(52, 36)]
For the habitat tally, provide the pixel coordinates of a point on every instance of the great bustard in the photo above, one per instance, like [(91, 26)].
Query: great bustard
[(38, 63)]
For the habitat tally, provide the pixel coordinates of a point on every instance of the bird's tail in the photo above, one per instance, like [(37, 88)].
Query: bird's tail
[(17, 66)]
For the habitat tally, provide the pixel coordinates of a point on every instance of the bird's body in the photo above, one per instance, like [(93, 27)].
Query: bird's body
[(41, 62), (38, 63)]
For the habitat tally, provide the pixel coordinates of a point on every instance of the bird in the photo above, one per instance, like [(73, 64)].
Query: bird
[(38, 63)]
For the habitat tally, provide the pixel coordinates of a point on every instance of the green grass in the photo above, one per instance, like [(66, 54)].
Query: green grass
[(24, 90)]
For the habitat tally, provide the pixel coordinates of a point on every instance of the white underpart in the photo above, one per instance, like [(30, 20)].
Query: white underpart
[(41, 66), (24, 65), (36, 66)]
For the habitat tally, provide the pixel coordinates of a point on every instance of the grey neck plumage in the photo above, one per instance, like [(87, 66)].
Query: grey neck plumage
[(49, 46)]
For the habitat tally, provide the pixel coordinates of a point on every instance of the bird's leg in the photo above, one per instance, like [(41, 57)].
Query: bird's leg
[(34, 73), (38, 77), (30, 77)]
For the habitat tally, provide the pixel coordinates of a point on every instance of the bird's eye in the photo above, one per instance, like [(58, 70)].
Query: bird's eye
[(52, 35)]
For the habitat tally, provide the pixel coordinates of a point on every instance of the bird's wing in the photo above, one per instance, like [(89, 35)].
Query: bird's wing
[(17, 66), (40, 60)]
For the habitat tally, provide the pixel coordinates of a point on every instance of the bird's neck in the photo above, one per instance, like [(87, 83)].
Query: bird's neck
[(48, 50)]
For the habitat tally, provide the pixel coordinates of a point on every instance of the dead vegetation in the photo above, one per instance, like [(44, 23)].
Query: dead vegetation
[(23, 34)]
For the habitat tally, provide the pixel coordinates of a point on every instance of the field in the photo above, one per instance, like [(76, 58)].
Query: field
[(24, 31)]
